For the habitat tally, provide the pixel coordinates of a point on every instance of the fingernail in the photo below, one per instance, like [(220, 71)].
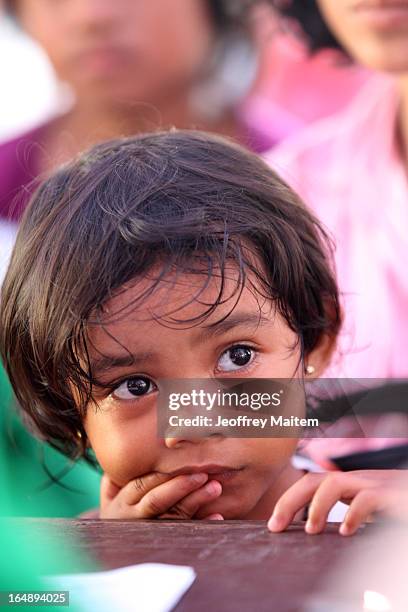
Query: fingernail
[(311, 527), (344, 529), (216, 517), (198, 478), (276, 523), (213, 487)]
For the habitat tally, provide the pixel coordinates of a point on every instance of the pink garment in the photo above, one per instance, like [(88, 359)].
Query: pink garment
[(348, 169), (305, 87)]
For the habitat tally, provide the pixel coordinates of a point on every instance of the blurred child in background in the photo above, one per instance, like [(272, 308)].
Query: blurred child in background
[(132, 67), (352, 170)]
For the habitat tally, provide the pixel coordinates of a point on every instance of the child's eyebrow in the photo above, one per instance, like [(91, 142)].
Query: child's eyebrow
[(109, 362), (234, 320)]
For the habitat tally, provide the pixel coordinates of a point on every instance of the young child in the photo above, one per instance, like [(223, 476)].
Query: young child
[(166, 256)]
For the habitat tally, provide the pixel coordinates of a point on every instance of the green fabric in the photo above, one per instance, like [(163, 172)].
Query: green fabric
[(25, 457), (26, 556)]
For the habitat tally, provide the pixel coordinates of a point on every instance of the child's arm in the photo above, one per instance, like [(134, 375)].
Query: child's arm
[(158, 496), (367, 492)]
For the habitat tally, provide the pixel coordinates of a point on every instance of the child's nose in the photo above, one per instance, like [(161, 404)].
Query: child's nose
[(175, 442), (172, 440)]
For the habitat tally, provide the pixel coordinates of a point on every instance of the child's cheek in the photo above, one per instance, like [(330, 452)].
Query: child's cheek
[(123, 451), (269, 454), (279, 451)]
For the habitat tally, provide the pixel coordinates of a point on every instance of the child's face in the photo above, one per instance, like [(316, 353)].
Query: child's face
[(123, 432), (122, 51), (374, 33)]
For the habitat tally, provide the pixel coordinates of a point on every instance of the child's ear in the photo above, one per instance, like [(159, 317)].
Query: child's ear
[(319, 359)]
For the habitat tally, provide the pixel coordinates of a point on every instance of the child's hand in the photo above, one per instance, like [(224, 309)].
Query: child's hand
[(367, 492), (158, 495)]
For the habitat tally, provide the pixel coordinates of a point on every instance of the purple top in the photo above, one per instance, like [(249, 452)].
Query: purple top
[(19, 171), (20, 160)]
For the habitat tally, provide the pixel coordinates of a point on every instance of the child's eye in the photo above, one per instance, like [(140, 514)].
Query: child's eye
[(132, 388), (235, 358)]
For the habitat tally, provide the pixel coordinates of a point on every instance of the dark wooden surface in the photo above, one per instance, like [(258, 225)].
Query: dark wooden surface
[(240, 565)]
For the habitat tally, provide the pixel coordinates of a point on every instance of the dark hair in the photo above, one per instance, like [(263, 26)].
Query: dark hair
[(180, 200), (308, 16), (229, 15)]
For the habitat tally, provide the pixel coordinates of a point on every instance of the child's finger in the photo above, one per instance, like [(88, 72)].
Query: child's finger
[(295, 498), (137, 488), (333, 488), (363, 505), (213, 517), (187, 507), (131, 493), (108, 490), (169, 494)]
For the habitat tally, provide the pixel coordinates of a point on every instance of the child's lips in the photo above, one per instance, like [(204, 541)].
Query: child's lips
[(383, 15), (222, 473)]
